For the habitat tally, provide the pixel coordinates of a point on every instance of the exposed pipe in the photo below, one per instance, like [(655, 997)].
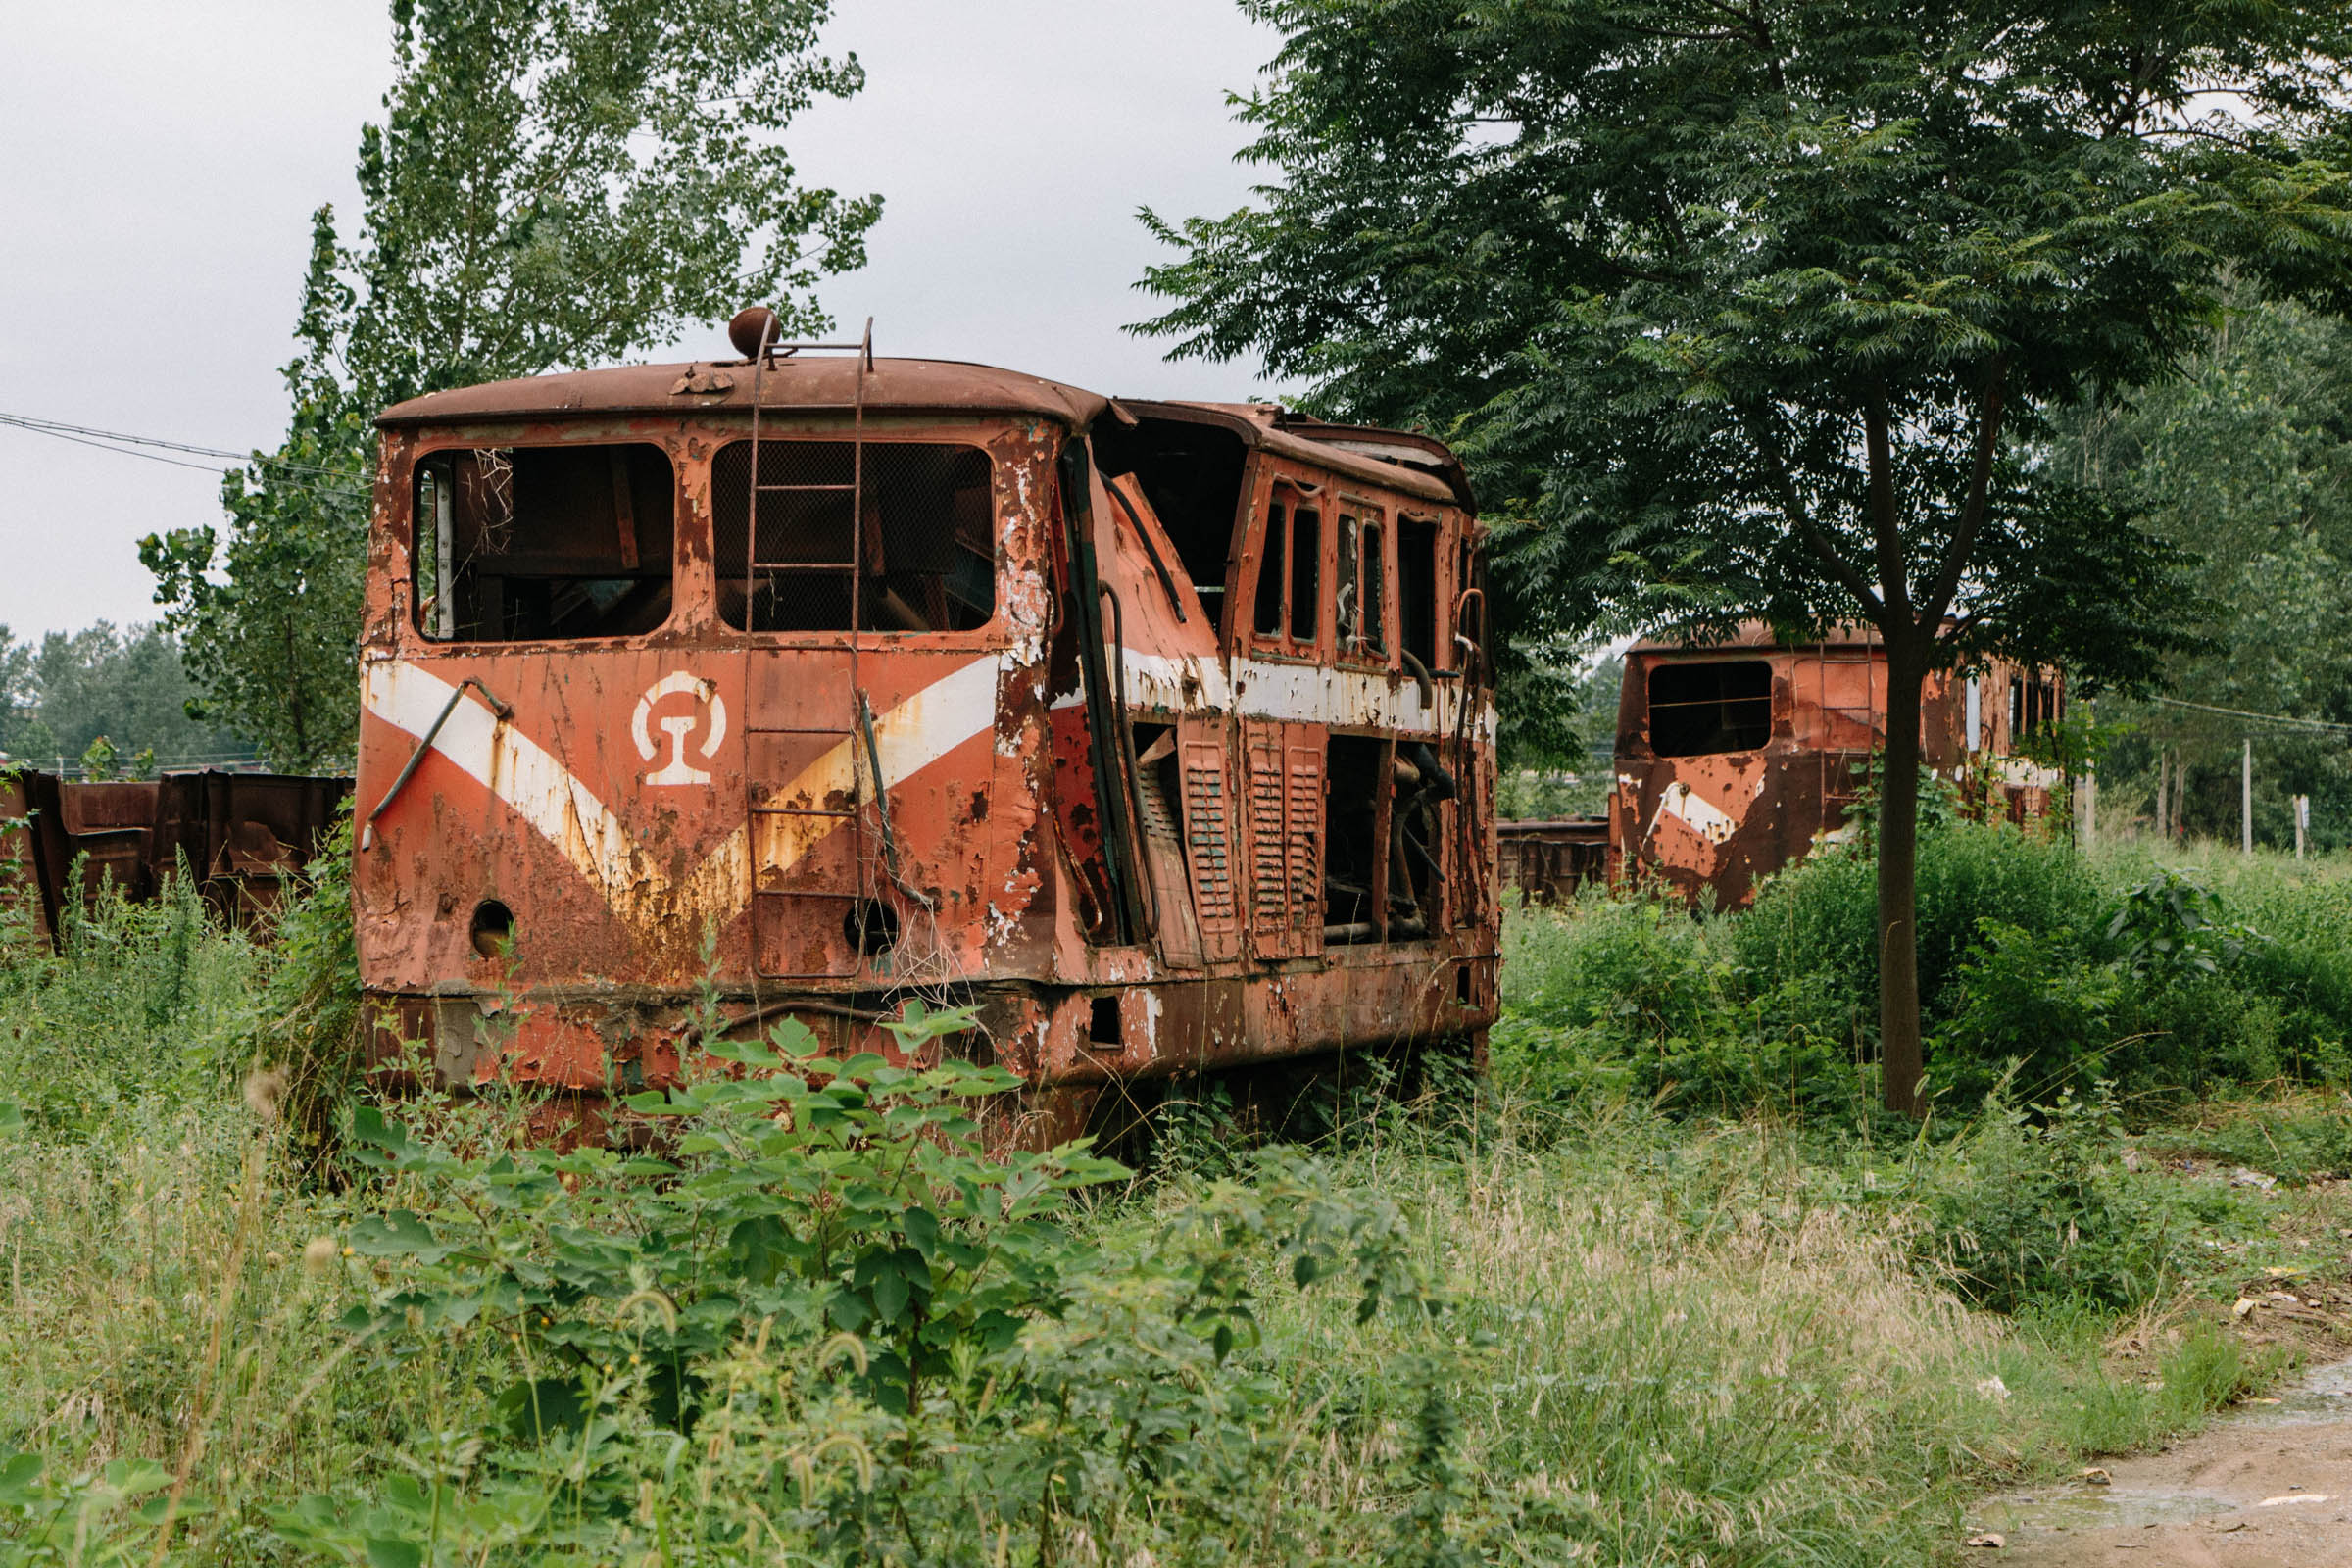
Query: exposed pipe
[(1421, 678), (1133, 782)]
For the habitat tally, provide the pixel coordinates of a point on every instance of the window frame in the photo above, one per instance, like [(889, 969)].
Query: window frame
[(975, 440), (1650, 704), (1289, 500), (405, 534), (1357, 518)]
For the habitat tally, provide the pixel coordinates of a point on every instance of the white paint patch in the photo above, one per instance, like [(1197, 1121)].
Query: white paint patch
[(1695, 811), (1151, 1006), (1301, 694)]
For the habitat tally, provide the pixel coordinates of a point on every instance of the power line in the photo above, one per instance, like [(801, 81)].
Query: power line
[(123, 444), (61, 427), (2244, 712)]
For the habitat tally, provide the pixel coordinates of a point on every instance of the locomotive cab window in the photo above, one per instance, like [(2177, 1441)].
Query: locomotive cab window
[(1360, 591), (1288, 611), (1417, 590), (516, 544), (1701, 709), (919, 557)]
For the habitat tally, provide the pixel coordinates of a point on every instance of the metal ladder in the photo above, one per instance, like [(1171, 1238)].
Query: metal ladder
[(857, 732)]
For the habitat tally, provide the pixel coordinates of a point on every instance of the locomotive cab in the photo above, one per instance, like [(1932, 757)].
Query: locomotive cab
[(1160, 732)]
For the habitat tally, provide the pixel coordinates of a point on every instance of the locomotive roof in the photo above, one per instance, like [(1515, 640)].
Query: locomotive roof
[(807, 382), (1753, 635)]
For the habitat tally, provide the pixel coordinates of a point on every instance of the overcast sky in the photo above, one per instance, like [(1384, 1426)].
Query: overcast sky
[(159, 163)]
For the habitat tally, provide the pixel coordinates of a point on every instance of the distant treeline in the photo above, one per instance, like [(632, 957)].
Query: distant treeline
[(59, 695)]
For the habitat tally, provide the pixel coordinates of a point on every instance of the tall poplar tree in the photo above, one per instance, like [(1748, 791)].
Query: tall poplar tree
[(554, 183), (1761, 307)]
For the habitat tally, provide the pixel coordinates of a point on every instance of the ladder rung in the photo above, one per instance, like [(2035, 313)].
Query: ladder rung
[(803, 565), (766, 488)]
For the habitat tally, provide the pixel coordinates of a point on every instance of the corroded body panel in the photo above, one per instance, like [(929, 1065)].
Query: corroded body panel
[(1775, 760), (241, 838)]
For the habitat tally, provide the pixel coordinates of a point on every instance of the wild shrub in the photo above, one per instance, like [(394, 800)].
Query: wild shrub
[(2030, 1004), (147, 1001), (1640, 968), (811, 1318), (1818, 919), (2032, 1209)]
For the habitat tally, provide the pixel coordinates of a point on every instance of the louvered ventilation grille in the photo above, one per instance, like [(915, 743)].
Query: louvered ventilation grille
[(1209, 843), (1305, 852), (1268, 868)]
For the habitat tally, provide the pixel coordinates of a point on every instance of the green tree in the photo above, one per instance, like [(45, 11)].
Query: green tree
[(1761, 307), (128, 685), (2247, 456), (552, 184)]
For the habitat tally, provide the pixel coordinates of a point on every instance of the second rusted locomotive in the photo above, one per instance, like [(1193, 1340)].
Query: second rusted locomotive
[(1161, 732)]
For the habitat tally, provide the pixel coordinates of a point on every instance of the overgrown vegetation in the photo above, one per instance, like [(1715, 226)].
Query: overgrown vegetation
[(1667, 1287)]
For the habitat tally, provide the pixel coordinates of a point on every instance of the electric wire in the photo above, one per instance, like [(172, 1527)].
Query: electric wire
[(125, 444), (2244, 712)]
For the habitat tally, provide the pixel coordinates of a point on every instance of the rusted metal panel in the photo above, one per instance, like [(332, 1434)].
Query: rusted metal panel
[(241, 836), (1548, 860), (1736, 759), (820, 824), (26, 898)]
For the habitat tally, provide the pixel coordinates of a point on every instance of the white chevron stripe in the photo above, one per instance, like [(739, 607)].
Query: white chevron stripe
[(538, 788), (908, 737)]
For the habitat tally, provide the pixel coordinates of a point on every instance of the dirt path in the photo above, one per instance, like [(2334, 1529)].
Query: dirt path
[(2269, 1488)]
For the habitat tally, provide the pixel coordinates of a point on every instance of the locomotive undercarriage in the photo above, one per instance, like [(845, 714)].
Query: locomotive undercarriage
[(586, 1047)]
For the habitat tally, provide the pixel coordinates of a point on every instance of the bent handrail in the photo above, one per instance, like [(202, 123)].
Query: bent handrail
[(367, 829)]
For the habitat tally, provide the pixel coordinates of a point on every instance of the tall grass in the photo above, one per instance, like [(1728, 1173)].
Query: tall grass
[(1662, 1291)]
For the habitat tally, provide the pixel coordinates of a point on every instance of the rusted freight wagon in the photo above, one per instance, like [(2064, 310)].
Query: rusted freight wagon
[(240, 837), (1159, 732), (1734, 758)]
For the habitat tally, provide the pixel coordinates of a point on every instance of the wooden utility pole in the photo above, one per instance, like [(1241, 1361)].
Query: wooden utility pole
[(2245, 800), (2164, 800)]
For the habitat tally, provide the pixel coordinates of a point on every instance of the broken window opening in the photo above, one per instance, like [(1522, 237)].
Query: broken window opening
[(1270, 576), (1417, 591), (2033, 707), (921, 558), (1307, 567), (1345, 590), (1365, 867), (1360, 588), (1701, 709), (1192, 474), (521, 544)]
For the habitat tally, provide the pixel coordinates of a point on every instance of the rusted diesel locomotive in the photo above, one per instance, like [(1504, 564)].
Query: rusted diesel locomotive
[(1733, 758), (1161, 732)]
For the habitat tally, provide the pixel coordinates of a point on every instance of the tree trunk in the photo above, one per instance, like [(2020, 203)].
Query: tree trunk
[(1899, 1060)]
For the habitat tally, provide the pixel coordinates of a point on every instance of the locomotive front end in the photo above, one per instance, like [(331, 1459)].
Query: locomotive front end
[(666, 700)]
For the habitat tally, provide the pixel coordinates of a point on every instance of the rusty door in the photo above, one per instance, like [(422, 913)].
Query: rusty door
[(1211, 838)]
